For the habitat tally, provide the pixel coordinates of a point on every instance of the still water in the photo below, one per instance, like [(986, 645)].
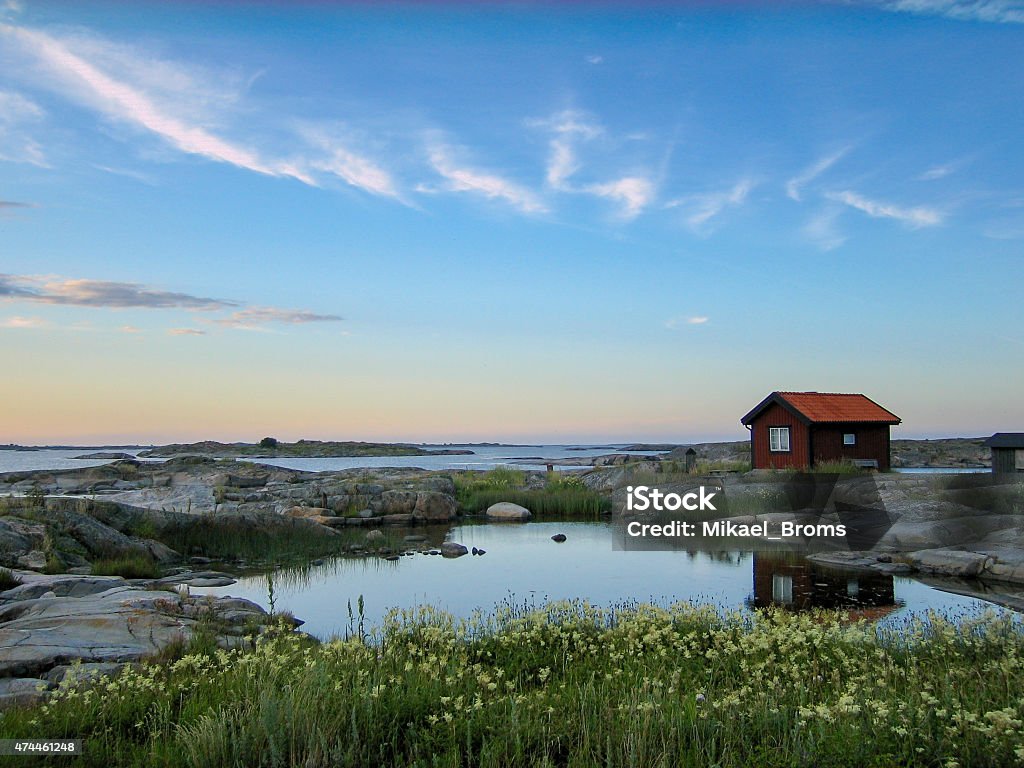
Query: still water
[(523, 565), (483, 457)]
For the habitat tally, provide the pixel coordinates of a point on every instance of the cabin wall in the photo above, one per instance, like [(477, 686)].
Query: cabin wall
[(1004, 460), (872, 443), (777, 416)]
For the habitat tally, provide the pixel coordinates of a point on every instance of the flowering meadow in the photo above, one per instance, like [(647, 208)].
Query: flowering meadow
[(568, 684)]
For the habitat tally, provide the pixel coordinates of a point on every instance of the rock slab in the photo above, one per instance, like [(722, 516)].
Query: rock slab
[(506, 510)]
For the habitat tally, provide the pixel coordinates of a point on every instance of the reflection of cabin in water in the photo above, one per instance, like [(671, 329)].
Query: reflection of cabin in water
[(789, 581), (1007, 451)]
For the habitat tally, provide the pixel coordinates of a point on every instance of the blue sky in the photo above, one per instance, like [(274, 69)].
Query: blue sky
[(553, 222)]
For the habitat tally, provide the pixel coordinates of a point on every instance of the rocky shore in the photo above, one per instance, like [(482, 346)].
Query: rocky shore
[(963, 533), (63, 628)]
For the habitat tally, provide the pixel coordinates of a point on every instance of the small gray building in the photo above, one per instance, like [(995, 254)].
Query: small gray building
[(1007, 451)]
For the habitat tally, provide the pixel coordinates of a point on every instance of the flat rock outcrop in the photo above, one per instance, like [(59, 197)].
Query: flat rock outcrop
[(199, 484), (52, 626)]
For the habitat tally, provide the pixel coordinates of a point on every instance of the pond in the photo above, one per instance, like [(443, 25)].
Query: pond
[(522, 565)]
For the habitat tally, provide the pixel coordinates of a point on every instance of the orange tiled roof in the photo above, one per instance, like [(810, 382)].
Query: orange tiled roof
[(831, 406)]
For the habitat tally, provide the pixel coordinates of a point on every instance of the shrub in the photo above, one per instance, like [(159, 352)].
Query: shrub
[(36, 497), (232, 537), (504, 477), (8, 580), (129, 566), (268, 442)]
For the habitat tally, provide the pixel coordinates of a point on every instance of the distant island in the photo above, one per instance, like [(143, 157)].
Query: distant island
[(312, 449), (954, 452), (16, 447), (488, 445)]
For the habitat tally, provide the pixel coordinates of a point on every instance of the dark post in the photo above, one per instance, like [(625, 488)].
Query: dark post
[(691, 459)]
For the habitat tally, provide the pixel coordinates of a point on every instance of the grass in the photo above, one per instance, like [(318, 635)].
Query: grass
[(8, 580), (568, 685), (500, 477), (275, 540), (136, 566), (837, 467), (704, 466), (563, 495), (542, 503)]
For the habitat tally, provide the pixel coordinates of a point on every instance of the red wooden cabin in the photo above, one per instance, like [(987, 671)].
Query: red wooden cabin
[(801, 429)]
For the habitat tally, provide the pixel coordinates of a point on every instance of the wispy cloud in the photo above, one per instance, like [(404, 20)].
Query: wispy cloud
[(703, 208), (127, 173), (566, 127), (594, 59), (186, 332), (822, 229), (631, 193), (352, 168), (15, 107), (936, 172), (14, 204), (102, 294), (358, 172), (254, 317), (19, 322), (17, 144), (919, 216), (129, 329), (462, 179), (674, 323), (185, 108), (994, 11), (942, 171), (802, 179), (140, 103), (15, 288), (1004, 230)]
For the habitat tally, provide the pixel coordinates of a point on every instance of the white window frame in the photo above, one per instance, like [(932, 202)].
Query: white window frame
[(782, 588), (776, 443), (849, 438)]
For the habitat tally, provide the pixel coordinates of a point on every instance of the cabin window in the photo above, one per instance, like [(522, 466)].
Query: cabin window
[(1018, 462), (778, 439), (849, 438), (852, 588), (782, 589)]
